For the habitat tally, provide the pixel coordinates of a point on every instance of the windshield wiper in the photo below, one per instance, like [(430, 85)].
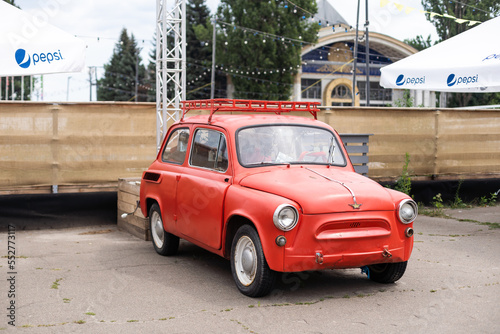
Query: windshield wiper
[(263, 163), (331, 150)]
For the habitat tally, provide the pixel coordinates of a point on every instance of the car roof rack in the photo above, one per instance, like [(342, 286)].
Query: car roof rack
[(227, 105)]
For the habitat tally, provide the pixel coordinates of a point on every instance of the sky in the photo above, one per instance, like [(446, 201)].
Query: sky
[(99, 23)]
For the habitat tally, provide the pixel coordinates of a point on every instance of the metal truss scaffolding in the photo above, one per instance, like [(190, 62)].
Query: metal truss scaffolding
[(170, 64)]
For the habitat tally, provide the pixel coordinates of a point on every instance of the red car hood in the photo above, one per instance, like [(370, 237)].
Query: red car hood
[(323, 192)]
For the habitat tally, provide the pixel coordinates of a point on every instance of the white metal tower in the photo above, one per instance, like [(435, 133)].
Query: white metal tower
[(170, 64)]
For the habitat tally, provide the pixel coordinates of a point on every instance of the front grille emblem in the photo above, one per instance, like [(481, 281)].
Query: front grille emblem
[(355, 205)]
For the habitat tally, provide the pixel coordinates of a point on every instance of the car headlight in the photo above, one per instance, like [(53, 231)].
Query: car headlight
[(285, 217), (407, 211)]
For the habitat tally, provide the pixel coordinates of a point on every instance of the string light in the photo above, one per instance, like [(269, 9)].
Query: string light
[(400, 7)]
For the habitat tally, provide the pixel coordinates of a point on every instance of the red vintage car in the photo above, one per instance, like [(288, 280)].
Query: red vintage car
[(272, 193)]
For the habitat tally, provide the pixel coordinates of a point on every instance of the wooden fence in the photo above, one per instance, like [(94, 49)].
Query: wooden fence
[(89, 146)]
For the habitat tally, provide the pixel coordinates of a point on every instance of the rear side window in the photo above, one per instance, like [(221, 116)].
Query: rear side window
[(209, 150), (176, 147)]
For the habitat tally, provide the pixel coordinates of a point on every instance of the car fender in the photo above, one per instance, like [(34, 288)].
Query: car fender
[(258, 208)]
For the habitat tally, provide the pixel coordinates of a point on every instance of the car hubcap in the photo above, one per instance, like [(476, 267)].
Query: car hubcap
[(157, 230), (245, 260)]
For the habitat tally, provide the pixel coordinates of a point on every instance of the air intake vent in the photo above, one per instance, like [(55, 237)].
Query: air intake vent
[(356, 224), (151, 176)]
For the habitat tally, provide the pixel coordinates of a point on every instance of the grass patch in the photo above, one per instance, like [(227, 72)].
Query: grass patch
[(491, 226), (56, 284), (96, 232)]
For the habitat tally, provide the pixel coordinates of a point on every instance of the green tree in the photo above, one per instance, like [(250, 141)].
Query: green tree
[(419, 42), (446, 27), (6, 88), (260, 43), (124, 74), (476, 10), (150, 80), (11, 2), (198, 50), (198, 53)]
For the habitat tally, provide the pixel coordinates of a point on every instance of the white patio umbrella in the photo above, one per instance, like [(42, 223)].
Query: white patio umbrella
[(467, 62), (29, 45)]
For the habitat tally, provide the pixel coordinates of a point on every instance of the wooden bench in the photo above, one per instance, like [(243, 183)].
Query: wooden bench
[(128, 195), (357, 148)]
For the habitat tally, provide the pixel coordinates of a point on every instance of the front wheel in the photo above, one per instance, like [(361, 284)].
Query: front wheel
[(250, 271), (164, 243), (387, 272)]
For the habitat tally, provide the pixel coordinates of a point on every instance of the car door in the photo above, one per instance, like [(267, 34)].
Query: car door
[(202, 187), (172, 159)]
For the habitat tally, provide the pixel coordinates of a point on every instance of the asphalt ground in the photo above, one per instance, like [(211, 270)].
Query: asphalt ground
[(98, 279)]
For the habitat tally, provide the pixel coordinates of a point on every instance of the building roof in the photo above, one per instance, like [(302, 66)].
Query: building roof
[(328, 15)]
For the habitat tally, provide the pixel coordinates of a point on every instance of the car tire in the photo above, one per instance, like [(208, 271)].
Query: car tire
[(252, 275), (387, 272), (164, 243)]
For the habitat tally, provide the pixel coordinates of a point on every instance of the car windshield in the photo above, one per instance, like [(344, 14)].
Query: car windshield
[(287, 144)]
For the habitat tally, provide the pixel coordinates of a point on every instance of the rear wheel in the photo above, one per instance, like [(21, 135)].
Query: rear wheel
[(164, 243), (387, 272), (252, 275)]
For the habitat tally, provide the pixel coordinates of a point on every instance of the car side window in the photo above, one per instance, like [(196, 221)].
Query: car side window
[(176, 147), (209, 150)]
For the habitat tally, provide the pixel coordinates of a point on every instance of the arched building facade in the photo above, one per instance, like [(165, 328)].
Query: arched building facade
[(326, 74)]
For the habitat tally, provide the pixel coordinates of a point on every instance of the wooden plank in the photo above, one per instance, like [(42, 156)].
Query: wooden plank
[(139, 232), (359, 159), (355, 138), (357, 149), (129, 185), (363, 170), (129, 208), (127, 197)]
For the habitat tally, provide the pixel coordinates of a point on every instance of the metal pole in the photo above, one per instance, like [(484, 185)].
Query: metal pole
[(90, 82), (355, 60), (367, 23), (22, 88), (67, 89), (183, 50), (96, 85), (136, 74), (212, 86)]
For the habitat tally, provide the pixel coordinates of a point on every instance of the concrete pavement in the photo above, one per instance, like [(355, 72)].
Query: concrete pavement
[(98, 279)]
